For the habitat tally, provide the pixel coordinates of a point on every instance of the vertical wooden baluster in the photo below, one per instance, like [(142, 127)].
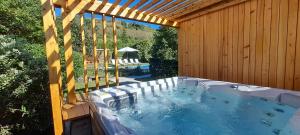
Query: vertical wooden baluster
[(67, 20), (105, 50), (54, 67), (85, 78), (95, 49), (115, 50)]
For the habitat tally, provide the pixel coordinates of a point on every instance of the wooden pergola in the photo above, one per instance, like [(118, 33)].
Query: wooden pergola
[(222, 21)]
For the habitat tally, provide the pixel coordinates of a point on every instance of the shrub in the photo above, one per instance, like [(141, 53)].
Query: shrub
[(25, 107)]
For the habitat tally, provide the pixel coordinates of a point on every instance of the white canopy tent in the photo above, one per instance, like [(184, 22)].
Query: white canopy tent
[(127, 49)]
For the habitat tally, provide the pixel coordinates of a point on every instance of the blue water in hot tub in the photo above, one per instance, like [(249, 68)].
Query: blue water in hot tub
[(193, 111)]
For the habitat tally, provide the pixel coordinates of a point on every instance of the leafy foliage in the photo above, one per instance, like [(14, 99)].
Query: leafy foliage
[(164, 53), (22, 18), (165, 44), (24, 90), (144, 53)]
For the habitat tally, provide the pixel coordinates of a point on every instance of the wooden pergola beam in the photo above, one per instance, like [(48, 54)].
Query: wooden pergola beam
[(194, 7), (124, 7), (148, 6), (113, 6), (98, 7), (209, 10), (66, 22), (178, 7), (140, 3), (54, 67), (157, 7), (168, 7)]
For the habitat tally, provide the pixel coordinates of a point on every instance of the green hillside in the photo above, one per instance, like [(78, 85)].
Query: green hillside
[(128, 34)]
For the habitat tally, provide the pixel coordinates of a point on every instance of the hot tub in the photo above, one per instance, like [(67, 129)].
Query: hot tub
[(194, 106)]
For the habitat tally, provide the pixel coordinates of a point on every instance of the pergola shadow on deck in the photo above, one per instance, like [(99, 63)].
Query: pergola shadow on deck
[(246, 41)]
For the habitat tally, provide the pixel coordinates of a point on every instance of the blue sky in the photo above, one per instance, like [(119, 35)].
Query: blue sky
[(88, 15)]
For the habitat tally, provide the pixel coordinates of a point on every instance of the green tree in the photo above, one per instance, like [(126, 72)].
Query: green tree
[(164, 53), (144, 52), (165, 44), (21, 18)]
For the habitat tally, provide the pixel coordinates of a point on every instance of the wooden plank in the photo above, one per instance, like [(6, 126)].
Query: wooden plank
[(240, 52), (115, 50), (105, 50), (75, 111), (225, 47), (208, 45), (220, 44), (66, 22), (210, 10), (230, 44), (85, 77), (178, 7), (274, 43), (235, 44), (54, 67), (188, 46), (135, 7), (297, 59), (148, 6), (253, 22), (196, 48), (180, 50), (193, 48), (205, 48), (212, 42), (102, 8), (113, 6), (291, 44), (191, 8), (259, 42), (246, 43), (266, 42), (158, 6), (182, 31), (124, 7), (168, 7), (282, 42), (201, 47), (185, 56), (95, 56)]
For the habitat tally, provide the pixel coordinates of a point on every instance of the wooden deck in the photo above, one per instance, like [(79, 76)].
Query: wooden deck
[(78, 110)]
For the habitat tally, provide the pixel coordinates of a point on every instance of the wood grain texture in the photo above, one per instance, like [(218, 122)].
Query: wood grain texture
[(54, 67), (66, 23), (254, 42), (95, 56), (104, 44), (84, 56), (115, 50)]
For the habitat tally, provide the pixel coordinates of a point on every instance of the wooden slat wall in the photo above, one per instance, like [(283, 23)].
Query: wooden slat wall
[(255, 42)]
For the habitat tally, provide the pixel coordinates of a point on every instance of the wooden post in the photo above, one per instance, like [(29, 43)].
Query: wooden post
[(95, 49), (54, 68), (105, 50), (68, 55), (85, 78), (115, 50)]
